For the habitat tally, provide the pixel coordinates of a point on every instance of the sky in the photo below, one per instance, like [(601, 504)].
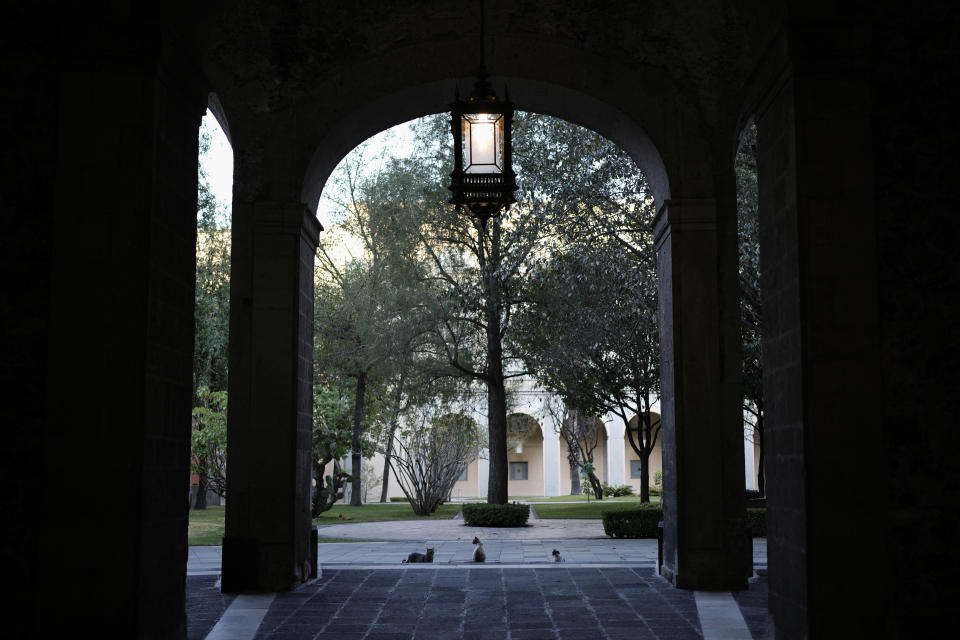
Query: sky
[(397, 141)]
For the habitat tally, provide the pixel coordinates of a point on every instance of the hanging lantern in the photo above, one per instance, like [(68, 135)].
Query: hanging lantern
[(482, 181)]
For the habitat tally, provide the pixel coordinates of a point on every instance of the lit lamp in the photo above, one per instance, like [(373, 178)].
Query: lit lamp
[(482, 181)]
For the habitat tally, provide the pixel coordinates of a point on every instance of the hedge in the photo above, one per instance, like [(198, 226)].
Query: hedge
[(399, 499), (633, 523), (496, 515), (642, 522)]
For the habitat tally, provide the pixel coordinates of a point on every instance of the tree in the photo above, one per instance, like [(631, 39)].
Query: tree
[(208, 444), (211, 326), (212, 288), (583, 434), (371, 298), (431, 453), (480, 269), (331, 441), (589, 326), (751, 326), (482, 272)]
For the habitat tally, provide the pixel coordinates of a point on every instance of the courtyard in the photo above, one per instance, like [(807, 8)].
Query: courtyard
[(604, 588)]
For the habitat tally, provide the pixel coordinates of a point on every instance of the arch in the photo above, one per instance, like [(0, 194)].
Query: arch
[(525, 457), (216, 108), (600, 460), (530, 95), (630, 456)]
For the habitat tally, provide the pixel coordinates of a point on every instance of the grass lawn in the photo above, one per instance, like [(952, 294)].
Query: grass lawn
[(206, 527), (377, 512), (582, 509)]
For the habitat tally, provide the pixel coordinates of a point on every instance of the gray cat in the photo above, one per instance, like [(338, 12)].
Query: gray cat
[(420, 557)]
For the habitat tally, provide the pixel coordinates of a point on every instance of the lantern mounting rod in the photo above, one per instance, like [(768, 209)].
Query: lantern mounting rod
[(483, 58)]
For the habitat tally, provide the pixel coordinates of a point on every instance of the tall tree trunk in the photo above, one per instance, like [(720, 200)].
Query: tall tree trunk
[(200, 500), (644, 474), (386, 462), (574, 476), (597, 486), (497, 432), (496, 392), (761, 472), (356, 463)]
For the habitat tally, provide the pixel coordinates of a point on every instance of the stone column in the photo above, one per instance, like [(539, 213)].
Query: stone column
[(99, 210), (266, 546), (821, 346), (551, 459), (703, 499), (615, 451), (483, 472)]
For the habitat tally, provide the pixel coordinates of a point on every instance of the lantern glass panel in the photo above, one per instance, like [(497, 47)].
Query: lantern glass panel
[(482, 142)]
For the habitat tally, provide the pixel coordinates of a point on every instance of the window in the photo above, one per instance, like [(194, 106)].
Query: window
[(635, 471), (518, 470), (463, 475)]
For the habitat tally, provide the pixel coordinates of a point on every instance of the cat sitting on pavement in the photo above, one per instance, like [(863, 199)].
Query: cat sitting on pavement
[(478, 553), (420, 557)]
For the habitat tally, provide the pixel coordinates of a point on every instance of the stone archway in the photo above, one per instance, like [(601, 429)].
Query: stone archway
[(282, 163), (631, 458), (601, 461), (525, 450)]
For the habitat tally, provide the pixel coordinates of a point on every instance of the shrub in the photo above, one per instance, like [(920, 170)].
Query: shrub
[(656, 491), (399, 499), (496, 515), (617, 492), (633, 523), (757, 520)]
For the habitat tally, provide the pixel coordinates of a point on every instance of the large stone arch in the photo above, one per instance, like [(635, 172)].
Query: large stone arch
[(529, 95), (287, 141), (107, 190)]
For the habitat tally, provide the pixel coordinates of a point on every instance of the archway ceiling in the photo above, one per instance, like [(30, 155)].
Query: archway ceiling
[(655, 77)]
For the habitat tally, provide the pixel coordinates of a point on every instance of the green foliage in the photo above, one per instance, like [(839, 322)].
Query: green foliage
[(399, 499), (208, 442), (588, 328), (610, 491), (757, 521), (751, 327), (496, 515), (212, 288), (430, 454), (657, 479), (634, 523), (331, 440), (581, 510), (382, 513)]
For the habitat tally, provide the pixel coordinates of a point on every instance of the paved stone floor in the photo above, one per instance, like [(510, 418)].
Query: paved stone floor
[(605, 589), (484, 604)]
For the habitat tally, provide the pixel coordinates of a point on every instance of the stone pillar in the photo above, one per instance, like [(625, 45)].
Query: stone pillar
[(551, 459), (99, 210), (483, 472), (703, 499), (821, 346), (266, 546), (615, 450)]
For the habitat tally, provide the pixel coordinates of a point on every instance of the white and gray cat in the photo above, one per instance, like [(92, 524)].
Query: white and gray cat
[(478, 554)]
